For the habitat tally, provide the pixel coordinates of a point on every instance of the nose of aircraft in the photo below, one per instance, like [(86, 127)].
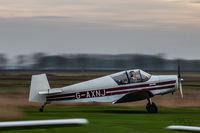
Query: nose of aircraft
[(169, 78), (177, 79)]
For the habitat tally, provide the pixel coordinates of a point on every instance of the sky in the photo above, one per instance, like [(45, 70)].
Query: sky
[(150, 27)]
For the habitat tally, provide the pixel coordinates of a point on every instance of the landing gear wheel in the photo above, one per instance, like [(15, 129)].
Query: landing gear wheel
[(41, 110), (42, 107), (152, 108)]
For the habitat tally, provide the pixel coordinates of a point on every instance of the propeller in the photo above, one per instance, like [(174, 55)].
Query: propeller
[(179, 80)]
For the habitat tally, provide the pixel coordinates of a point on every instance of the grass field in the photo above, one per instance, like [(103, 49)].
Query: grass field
[(109, 119), (14, 90)]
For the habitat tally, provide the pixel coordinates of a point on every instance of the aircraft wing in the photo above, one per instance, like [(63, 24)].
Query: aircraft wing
[(184, 128), (41, 123), (134, 96)]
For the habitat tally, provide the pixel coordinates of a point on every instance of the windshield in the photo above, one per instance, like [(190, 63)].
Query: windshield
[(131, 76), (145, 75), (121, 78)]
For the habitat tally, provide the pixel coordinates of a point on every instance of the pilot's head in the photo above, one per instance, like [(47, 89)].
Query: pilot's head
[(132, 74)]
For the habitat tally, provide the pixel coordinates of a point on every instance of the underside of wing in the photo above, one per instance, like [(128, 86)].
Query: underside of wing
[(134, 96)]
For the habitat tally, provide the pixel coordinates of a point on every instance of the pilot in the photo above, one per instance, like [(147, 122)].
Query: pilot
[(124, 81), (133, 78)]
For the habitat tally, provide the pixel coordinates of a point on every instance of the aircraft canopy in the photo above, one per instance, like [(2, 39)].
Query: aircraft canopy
[(131, 76)]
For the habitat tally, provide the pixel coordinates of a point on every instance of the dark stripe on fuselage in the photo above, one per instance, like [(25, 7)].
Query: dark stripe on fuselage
[(84, 93), (167, 82), (118, 88), (112, 93), (153, 88)]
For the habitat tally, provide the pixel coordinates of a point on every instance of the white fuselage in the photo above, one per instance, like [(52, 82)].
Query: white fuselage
[(105, 89)]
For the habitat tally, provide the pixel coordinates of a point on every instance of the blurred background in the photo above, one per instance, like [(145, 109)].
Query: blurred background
[(96, 62)]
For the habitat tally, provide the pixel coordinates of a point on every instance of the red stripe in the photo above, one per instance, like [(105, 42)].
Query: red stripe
[(116, 93), (110, 89), (167, 82), (128, 87), (114, 89), (81, 93), (55, 96), (122, 92)]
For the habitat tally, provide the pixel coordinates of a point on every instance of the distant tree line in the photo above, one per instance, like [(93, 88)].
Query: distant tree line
[(43, 61)]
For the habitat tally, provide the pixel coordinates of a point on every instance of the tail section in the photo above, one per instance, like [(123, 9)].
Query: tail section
[(38, 83)]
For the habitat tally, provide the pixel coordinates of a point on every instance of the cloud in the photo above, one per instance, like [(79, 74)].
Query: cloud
[(196, 1), (119, 13), (187, 2), (100, 26)]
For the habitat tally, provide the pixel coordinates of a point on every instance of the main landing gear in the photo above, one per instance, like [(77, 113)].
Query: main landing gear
[(42, 107), (151, 107)]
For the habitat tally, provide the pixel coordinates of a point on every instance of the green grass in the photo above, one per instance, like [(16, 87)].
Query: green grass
[(109, 119)]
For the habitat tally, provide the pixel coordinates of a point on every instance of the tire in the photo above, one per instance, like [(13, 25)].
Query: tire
[(151, 108), (41, 110)]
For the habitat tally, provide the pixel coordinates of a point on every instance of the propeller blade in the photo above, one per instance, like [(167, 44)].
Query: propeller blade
[(179, 70), (180, 79), (180, 88)]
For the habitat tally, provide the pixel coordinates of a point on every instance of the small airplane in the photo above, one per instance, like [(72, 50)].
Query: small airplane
[(121, 87)]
